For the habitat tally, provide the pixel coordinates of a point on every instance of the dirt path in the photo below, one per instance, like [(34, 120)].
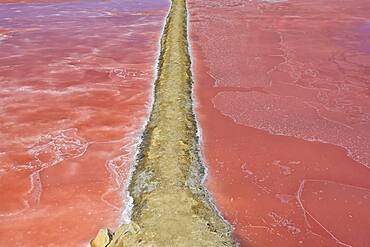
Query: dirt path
[(171, 207)]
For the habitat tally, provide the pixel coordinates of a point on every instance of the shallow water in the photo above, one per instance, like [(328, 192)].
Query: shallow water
[(283, 100), (76, 83)]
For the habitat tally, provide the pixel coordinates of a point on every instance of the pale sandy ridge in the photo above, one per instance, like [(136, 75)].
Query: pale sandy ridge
[(171, 206)]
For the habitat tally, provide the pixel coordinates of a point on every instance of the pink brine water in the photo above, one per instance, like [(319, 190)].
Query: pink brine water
[(75, 90), (283, 100)]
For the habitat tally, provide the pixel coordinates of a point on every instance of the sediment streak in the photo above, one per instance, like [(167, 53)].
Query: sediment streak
[(171, 207)]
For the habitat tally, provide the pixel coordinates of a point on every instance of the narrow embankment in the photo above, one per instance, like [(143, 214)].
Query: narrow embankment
[(171, 207)]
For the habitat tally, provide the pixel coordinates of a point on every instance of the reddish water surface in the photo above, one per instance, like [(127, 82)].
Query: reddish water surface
[(283, 100), (75, 87)]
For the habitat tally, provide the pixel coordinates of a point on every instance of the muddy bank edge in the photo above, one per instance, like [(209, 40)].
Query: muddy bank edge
[(171, 207)]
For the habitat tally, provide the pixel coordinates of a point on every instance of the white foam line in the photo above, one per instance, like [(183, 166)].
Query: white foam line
[(349, 152), (129, 205), (34, 193), (199, 129)]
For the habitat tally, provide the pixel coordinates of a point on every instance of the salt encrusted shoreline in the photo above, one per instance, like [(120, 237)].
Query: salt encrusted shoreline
[(171, 206)]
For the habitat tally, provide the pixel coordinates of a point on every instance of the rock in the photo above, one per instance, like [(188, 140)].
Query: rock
[(102, 239)]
